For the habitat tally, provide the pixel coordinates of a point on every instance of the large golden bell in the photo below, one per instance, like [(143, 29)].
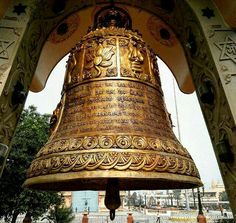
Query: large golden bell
[(111, 122)]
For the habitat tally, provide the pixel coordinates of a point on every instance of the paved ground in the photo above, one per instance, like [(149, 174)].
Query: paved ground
[(151, 217), (145, 217)]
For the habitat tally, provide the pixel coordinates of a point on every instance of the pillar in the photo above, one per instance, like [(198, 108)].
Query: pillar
[(85, 218), (130, 218), (201, 218), (13, 25), (212, 60)]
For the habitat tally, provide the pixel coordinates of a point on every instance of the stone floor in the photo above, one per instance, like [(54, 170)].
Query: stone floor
[(145, 217)]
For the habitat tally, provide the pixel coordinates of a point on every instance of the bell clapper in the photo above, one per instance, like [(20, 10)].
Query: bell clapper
[(112, 214), (112, 197)]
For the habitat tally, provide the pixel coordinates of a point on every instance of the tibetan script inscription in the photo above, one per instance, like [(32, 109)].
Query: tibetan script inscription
[(114, 107)]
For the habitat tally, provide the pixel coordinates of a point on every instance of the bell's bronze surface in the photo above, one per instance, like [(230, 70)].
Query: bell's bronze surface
[(112, 122), (111, 130)]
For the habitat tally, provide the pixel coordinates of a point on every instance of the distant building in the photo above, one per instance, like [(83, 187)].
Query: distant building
[(170, 198), (67, 195), (85, 201), (151, 198), (92, 201), (211, 197)]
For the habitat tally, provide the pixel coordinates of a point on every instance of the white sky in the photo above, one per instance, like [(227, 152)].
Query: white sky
[(194, 135)]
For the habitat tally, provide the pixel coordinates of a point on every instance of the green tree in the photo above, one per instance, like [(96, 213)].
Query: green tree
[(60, 214), (31, 134), (134, 200), (223, 196), (176, 195)]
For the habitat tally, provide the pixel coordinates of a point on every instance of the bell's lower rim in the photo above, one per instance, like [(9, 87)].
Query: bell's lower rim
[(97, 180)]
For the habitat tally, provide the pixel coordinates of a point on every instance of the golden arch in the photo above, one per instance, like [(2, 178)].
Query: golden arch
[(155, 31)]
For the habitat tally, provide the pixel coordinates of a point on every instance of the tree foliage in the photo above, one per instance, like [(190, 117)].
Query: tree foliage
[(31, 134), (133, 199), (223, 196), (176, 195), (136, 200), (60, 214)]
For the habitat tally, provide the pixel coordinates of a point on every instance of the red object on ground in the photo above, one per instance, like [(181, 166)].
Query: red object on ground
[(85, 218), (201, 218), (130, 218)]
